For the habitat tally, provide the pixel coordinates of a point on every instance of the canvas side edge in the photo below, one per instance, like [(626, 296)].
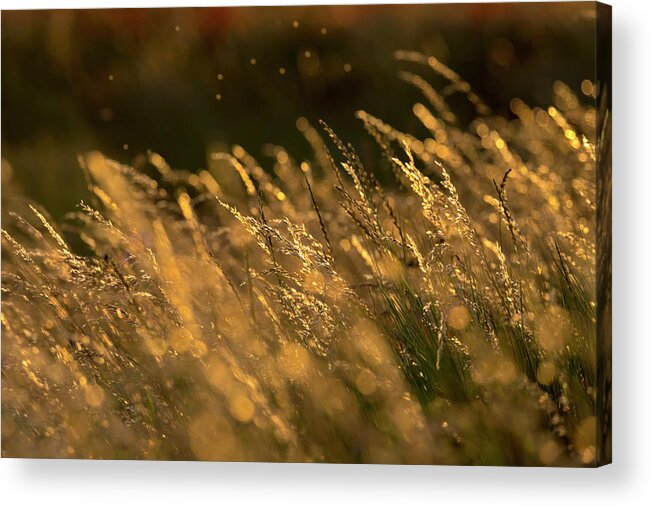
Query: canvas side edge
[(603, 444)]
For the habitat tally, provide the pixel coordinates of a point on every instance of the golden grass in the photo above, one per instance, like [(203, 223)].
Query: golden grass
[(304, 312)]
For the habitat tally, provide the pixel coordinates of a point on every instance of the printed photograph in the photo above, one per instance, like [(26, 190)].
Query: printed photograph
[(371, 234)]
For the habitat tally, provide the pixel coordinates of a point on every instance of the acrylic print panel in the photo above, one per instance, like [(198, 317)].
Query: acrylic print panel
[(343, 234)]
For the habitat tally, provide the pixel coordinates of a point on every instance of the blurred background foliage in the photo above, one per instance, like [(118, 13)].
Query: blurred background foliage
[(185, 82)]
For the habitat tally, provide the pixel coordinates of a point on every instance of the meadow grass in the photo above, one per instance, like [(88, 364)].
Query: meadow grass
[(307, 312)]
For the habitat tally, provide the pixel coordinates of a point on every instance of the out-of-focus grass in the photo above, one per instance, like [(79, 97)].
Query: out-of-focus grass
[(306, 312)]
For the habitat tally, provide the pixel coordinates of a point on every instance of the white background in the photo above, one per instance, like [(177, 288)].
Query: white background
[(626, 482)]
